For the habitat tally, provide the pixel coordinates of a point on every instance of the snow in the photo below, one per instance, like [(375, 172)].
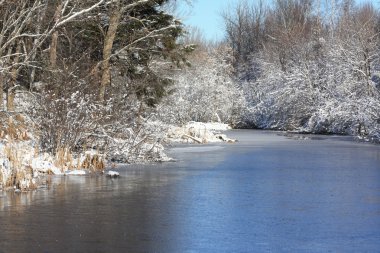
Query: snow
[(19, 159), (112, 173), (41, 165), (76, 172), (27, 184), (5, 170), (211, 126), (198, 132), (206, 91)]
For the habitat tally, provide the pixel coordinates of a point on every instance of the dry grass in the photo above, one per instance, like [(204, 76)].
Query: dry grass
[(64, 158), (19, 172), (93, 163), (14, 127), (1, 179), (13, 130)]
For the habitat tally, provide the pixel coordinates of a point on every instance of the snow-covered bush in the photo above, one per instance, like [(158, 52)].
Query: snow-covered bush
[(205, 91), (301, 71), (74, 122), (62, 122), (324, 94)]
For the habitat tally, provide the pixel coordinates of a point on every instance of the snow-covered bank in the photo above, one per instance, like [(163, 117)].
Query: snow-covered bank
[(198, 132), (23, 168)]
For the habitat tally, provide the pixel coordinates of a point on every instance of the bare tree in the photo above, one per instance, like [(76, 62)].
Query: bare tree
[(244, 24), (19, 26)]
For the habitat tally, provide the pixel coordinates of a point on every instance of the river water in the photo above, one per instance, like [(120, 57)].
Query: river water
[(266, 193)]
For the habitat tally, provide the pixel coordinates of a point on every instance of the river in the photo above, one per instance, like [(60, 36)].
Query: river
[(266, 193)]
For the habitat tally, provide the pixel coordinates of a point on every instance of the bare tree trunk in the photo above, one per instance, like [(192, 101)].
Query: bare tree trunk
[(332, 18), (319, 19), (1, 92), (14, 73), (10, 100), (54, 39), (107, 50), (41, 13)]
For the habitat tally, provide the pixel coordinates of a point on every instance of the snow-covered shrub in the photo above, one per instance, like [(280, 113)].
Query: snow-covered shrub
[(73, 122), (360, 118), (324, 93), (205, 92), (63, 121)]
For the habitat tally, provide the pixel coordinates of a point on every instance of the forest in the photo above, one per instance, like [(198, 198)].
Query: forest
[(85, 82), (308, 66)]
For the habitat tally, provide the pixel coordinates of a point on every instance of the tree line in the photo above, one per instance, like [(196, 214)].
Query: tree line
[(83, 73), (308, 65)]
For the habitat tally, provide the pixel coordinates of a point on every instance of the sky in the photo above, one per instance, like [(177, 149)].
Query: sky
[(205, 14)]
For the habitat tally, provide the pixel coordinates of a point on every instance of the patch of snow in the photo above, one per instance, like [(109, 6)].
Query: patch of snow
[(112, 173), (211, 126), (77, 172), (43, 166), (5, 170), (198, 132)]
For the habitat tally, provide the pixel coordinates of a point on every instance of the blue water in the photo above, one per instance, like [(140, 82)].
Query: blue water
[(266, 193)]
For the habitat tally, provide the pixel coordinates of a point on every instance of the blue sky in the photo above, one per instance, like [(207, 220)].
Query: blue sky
[(205, 14)]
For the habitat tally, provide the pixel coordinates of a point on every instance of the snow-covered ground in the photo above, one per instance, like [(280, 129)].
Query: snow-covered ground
[(198, 132), (23, 168)]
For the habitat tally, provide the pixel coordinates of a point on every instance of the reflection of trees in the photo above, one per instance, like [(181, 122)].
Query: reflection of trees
[(68, 188)]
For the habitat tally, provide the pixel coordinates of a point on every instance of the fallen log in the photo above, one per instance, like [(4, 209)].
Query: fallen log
[(198, 140)]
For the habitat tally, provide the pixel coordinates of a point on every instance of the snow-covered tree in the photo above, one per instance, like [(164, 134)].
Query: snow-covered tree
[(313, 74), (205, 91)]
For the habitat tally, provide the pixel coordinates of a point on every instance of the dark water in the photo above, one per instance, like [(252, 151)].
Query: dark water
[(267, 193)]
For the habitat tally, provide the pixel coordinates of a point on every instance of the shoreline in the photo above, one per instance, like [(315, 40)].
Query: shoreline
[(23, 169)]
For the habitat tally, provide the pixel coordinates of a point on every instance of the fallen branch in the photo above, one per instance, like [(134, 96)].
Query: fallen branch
[(193, 138)]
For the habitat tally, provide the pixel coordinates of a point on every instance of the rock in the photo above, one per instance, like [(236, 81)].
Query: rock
[(224, 138)]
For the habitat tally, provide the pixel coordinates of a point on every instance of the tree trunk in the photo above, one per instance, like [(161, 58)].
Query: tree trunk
[(54, 39), (14, 73), (107, 50), (10, 100), (1, 92)]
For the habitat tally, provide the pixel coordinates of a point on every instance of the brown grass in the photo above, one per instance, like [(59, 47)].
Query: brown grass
[(17, 173), (1, 178), (64, 158), (14, 127), (93, 163)]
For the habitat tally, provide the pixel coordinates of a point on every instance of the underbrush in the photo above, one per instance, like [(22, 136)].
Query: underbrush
[(56, 136)]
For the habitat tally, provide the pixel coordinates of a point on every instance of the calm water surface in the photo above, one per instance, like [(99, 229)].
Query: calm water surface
[(267, 193)]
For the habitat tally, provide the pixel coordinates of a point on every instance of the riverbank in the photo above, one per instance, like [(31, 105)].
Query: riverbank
[(23, 167)]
